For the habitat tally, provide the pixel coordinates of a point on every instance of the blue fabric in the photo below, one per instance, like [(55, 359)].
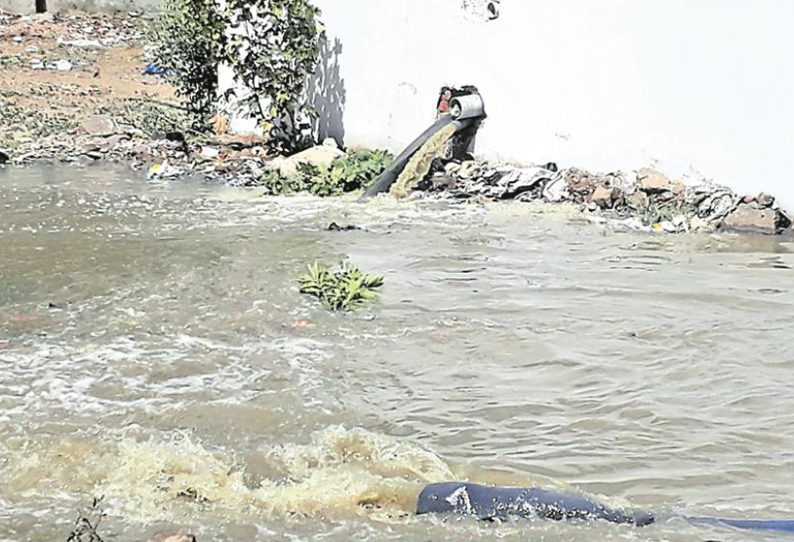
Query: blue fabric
[(153, 69)]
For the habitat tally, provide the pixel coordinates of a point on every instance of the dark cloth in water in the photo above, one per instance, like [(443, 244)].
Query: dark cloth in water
[(488, 502)]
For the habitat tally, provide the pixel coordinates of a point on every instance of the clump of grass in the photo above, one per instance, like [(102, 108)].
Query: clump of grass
[(150, 116), (345, 288)]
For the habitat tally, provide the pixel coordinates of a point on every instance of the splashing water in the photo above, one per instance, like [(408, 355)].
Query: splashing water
[(419, 165)]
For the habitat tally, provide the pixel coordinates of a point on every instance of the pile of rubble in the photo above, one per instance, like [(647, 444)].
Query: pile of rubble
[(80, 30), (645, 200)]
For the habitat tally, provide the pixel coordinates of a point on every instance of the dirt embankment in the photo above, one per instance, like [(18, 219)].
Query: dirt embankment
[(56, 72), (73, 88)]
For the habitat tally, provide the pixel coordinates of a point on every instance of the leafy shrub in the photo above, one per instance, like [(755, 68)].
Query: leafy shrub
[(343, 289), (189, 40), (359, 168), (271, 51), (346, 174), (272, 55)]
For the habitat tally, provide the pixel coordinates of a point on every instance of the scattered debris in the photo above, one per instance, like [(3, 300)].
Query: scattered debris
[(345, 288), (647, 200), (61, 65), (163, 171), (301, 322), (333, 226), (80, 43)]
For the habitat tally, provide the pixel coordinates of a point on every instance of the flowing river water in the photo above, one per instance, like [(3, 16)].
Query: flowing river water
[(153, 349)]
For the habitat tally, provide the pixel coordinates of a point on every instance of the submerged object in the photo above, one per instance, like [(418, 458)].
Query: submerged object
[(489, 502), (493, 502)]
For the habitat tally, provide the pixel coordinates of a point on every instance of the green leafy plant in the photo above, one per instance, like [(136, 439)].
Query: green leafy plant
[(345, 288), (270, 45), (272, 52), (189, 41), (359, 168), (347, 173)]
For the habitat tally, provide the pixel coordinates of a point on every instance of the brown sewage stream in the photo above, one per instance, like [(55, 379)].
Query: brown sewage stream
[(148, 353)]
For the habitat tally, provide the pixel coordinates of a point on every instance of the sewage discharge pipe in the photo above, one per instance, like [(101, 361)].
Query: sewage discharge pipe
[(464, 109)]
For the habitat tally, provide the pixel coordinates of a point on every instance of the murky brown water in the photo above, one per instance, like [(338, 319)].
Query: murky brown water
[(148, 353)]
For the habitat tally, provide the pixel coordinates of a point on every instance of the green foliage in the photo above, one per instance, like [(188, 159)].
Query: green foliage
[(343, 289), (659, 212), (272, 55), (347, 173), (189, 42), (271, 51), (359, 168)]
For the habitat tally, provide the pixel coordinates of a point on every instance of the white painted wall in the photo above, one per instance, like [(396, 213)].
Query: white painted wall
[(689, 87)]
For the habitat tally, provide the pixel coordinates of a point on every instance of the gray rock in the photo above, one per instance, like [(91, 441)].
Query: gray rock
[(116, 140), (765, 200), (751, 219), (319, 155), (98, 125)]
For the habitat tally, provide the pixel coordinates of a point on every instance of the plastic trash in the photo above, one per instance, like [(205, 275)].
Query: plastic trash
[(153, 69)]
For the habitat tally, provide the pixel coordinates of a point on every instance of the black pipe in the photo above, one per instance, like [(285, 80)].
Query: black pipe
[(387, 178), (41, 6)]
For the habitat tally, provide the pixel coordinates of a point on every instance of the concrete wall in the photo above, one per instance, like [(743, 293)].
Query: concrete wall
[(692, 88), (28, 6)]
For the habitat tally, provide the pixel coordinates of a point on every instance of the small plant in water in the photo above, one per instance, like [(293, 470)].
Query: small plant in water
[(86, 524), (340, 289)]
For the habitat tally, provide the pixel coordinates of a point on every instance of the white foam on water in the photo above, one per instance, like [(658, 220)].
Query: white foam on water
[(340, 473)]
